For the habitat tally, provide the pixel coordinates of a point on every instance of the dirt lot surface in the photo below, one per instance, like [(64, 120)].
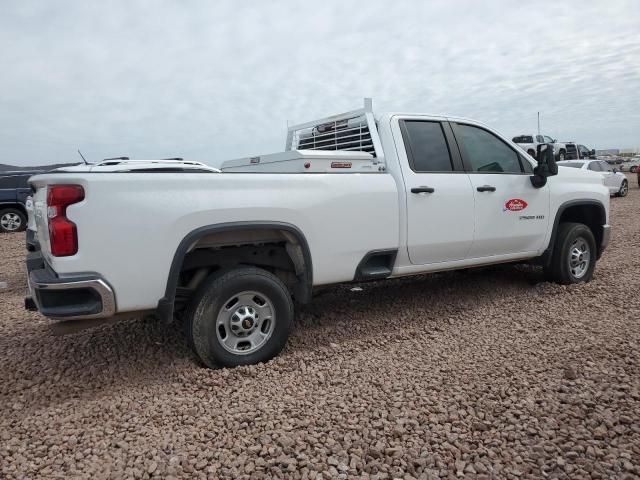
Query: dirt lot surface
[(486, 374)]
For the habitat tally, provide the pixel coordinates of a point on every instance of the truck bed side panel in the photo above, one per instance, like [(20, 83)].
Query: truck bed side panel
[(130, 224)]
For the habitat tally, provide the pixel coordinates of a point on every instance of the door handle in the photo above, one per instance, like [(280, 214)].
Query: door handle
[(486, 188), (423, 190)]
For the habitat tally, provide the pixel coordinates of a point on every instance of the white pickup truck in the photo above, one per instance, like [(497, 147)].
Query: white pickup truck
[(353, 198), (530, 142)]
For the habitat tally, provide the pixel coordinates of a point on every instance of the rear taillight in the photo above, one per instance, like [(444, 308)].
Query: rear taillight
[(63, 236)]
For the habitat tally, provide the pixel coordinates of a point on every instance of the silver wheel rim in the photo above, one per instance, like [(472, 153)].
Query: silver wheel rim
[(579, 257), (245, 322), (561, 156), (10, 221), (623, 188)]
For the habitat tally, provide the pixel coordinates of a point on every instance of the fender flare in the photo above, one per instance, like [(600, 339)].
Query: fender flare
[(548, 253), (166, 303), (15, 205)]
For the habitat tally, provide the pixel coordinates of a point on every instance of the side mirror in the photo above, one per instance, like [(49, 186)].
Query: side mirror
[(547, 166), (592, 153)]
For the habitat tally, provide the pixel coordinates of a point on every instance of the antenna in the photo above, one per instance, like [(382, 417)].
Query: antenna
[(83, 159)]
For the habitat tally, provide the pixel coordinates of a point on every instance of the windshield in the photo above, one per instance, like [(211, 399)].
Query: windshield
[(523, 139)]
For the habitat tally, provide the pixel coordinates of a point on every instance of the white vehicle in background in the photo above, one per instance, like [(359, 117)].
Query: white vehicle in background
[(614, 180), (353, 198), (530, 142), (631, 165)]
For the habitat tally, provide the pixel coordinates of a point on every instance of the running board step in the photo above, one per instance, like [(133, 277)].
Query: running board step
[(376, 265)]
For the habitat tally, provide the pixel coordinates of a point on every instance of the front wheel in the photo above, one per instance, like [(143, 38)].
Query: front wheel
[(624, 189), (239, 317), (561, 156), (633, 169), (574, 254)]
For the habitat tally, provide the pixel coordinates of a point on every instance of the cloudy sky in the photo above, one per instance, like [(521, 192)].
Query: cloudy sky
[(216, 80)]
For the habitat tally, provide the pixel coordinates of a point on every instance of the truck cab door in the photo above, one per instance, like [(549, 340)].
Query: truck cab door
[(512, 216), (438, 194)]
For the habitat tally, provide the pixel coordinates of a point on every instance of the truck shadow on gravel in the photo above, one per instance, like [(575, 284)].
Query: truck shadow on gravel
[(434, 298), (40, 369)]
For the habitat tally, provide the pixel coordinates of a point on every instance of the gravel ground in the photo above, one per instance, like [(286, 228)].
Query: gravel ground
[(486, 374)]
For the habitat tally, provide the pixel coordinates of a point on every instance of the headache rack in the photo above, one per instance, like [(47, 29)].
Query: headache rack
[(353, 131), (343, 143)]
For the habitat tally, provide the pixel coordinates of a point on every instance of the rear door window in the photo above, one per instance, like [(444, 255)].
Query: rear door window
[(523, 139), (605, 167), (14, 181), (426, 145), (595, 166), (486, 153)]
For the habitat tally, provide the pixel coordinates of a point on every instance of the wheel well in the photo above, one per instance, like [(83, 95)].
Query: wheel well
[(278, 248), (591, 214), (15, 206)]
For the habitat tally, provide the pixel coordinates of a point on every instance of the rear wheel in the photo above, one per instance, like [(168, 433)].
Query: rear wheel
[(239, 317), (624, 189), (633, 169), (561, 156), (12, 220), (574, 254)]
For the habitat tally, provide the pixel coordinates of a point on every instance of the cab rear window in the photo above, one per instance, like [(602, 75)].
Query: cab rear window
[(523, 139)]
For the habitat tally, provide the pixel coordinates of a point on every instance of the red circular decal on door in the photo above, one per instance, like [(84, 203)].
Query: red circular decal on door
[(515, 205)]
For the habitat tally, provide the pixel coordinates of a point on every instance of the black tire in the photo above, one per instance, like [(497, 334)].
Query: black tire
[(568, 238), (562, 156), (12, 220), (624, 189), (207, 339), (633, 169)]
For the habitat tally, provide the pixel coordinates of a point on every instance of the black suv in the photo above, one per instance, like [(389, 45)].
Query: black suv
[(14, 191)]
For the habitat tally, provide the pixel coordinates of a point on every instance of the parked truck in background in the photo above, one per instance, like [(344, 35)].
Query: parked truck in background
[(353, 198), (577, 151), (530, 142)]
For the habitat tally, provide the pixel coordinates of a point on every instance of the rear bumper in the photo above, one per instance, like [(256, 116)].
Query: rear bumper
[(69, 298)]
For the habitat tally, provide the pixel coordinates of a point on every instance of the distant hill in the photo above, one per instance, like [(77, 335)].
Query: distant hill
[(11, 168)]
